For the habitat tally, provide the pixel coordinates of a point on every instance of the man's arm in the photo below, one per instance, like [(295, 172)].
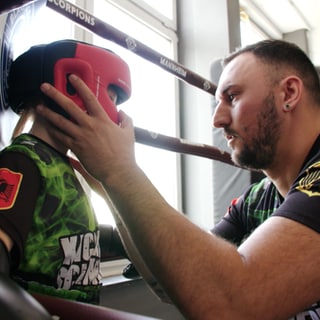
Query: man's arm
[(273, 275), (209, 278)]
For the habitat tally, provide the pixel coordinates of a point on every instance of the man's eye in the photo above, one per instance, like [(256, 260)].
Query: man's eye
[(230, 97)]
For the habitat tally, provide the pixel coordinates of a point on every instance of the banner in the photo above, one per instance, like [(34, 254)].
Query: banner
[(108, 32)]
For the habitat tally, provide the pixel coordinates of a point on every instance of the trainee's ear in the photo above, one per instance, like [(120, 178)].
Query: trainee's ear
[(292, 90)]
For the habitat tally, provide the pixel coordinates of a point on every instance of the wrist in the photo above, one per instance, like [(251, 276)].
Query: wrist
[(119, 177)]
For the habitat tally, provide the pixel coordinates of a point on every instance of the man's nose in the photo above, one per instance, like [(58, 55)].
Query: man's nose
[(221, 117)]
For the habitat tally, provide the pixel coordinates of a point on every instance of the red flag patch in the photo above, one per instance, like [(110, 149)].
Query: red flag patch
[(10, 182)]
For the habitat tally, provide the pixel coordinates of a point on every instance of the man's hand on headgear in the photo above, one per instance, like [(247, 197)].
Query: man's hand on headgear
[(102, 70), (102, 146)]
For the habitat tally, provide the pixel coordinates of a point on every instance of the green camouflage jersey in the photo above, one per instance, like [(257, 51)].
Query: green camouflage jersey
[(61, 253)]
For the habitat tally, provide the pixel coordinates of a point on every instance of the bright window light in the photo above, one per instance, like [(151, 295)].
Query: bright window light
[(152, 104), (249, 31), (163, 6)]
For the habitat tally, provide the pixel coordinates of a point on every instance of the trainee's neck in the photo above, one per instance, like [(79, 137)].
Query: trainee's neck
[(42, 131)]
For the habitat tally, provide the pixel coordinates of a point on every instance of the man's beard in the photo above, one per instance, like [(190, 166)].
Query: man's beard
[(259, 152)]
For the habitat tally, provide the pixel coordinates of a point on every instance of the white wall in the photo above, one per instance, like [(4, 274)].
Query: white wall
[(208, 30)]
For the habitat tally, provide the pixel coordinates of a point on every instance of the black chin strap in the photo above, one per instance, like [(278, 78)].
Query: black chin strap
[(4, 259)]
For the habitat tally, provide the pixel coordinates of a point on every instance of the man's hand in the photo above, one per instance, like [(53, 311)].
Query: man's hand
[(111, 146)]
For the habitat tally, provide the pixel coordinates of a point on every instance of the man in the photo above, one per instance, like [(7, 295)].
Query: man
[(268, 105)]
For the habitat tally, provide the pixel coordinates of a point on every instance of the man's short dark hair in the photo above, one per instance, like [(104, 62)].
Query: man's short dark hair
[(279, 54)]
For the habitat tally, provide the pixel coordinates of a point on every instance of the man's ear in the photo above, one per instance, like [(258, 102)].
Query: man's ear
[(292, 90)]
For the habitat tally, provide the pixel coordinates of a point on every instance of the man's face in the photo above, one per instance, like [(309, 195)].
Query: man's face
[(246, 110)]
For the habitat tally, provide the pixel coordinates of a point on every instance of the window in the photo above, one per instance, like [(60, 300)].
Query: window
[(250, 33), (24, 27), (165, 7), (47, 26), (153, 102)]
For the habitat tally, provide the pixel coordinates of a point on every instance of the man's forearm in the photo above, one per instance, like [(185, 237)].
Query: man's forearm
[(163, 236)]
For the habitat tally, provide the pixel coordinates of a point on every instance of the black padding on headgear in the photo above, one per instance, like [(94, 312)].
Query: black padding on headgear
[(4, 259), (34, 67)]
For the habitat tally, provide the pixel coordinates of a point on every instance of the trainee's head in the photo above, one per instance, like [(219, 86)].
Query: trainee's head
[(282, 57), (102, 70)]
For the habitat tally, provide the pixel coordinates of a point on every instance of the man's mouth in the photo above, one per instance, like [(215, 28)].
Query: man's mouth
[(230, 137)]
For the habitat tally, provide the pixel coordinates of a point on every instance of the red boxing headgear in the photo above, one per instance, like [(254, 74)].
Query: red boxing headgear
[(53, 63)]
